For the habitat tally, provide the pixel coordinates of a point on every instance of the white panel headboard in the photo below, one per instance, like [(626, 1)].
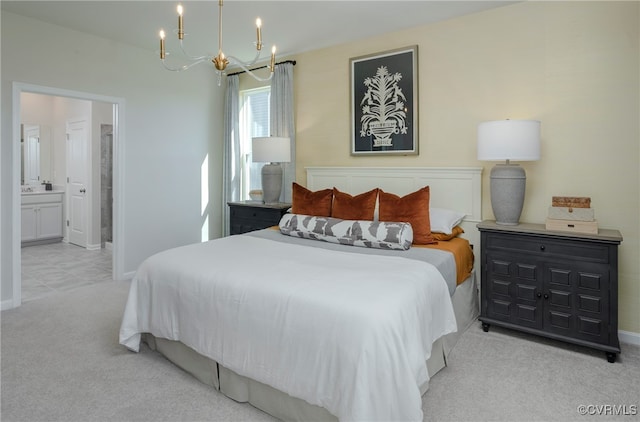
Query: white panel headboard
[(456, 188)]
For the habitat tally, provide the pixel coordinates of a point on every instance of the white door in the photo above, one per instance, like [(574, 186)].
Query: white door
[(77, 158), (31, 155)]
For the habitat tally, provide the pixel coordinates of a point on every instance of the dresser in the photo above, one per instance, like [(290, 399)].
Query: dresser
[(246, 216), (558, 285)]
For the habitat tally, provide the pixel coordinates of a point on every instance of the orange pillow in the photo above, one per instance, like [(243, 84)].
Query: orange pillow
[(306, 202), (359, 207), (412, 208), (457, 230)]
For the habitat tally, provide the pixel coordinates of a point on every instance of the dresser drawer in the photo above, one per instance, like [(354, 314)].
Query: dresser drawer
[(256, 213), (542, 246), (246, 217)]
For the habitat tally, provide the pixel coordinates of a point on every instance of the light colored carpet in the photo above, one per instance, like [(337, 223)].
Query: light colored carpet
[(61, 361), (505, 375)]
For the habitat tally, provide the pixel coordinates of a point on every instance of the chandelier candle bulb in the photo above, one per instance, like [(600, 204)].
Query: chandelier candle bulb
[(180, 23), (259, 31), (161, 44)]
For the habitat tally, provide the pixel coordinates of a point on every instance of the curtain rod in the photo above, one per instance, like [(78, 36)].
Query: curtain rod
[(293, 62)]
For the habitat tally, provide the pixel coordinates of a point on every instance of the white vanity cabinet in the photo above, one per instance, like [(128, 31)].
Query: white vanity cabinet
[(41, 218)]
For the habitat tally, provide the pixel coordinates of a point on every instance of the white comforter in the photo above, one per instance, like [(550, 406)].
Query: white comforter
[(344, 331)]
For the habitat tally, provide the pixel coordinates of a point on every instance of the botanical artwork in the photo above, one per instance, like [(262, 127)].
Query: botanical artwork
[(384, 103), (383, 108)]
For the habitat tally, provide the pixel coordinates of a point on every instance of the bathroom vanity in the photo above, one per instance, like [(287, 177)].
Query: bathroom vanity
[(41, 217)]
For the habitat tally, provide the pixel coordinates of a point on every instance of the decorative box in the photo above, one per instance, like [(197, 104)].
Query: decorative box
[(573, 226), (573, 214), (571, 201)]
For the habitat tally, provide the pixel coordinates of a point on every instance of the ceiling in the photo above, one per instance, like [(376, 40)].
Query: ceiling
[(293, 26)]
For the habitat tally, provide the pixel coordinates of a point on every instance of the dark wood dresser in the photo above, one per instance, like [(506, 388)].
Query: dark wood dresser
[(246, 216), (554, 284)]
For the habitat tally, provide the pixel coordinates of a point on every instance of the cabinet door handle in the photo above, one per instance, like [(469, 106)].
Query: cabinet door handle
[(542, 247), (546, 296), (539, 295)]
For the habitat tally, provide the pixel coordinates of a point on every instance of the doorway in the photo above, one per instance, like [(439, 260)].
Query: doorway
[(117, 107)]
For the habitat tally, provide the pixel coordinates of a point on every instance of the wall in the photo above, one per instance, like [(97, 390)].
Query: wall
[(572, 65), (172, 125)]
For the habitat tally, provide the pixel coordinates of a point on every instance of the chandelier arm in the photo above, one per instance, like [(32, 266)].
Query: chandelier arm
[(236, 61), (239, 62), (190, 57), (183, 67), (249, 71)]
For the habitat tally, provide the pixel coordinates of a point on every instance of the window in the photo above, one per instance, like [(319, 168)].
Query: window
[(254, 121)]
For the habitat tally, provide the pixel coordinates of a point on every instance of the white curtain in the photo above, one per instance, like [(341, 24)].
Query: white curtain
[(282, 121), (232, 157)]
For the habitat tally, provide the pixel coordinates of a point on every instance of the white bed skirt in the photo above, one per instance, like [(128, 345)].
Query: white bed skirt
[(288, 408)]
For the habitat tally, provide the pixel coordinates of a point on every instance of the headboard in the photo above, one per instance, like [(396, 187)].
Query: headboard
[(455, 188)]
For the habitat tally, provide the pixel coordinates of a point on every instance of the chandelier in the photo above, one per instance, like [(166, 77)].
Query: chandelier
[(220, 61)]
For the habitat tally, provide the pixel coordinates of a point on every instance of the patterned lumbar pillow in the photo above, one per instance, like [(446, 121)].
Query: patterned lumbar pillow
[(368, 234)]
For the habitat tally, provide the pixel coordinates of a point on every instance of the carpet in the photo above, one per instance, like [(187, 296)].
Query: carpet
[(61, 361)]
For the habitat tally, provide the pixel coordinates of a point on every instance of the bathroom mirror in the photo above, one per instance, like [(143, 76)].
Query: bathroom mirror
[(35, 147)]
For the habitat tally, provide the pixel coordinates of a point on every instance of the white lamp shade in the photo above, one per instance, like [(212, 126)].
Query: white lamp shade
[(517, 140), (270, 150)]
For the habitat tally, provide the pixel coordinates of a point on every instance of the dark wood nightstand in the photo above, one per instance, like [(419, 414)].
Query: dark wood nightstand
[(246, 216), (554, 284)]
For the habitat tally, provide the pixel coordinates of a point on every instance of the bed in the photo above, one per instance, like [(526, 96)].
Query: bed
[(309, 330)]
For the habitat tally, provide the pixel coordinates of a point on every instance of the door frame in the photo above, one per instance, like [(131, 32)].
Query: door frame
[(118, 176)]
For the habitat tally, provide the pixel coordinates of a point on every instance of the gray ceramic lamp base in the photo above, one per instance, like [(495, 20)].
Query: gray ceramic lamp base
[(507, 193), (271, 182)]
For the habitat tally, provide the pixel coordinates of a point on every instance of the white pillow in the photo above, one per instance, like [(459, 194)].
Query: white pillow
[(444, 220)]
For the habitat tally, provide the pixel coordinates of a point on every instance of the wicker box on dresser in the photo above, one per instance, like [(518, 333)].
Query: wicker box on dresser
[(555, 284), (246, 216)]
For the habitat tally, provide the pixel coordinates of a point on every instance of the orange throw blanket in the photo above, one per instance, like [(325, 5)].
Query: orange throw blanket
[(462, 253)]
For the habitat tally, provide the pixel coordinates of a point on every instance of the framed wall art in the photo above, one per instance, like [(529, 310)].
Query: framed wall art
[(384, 103)]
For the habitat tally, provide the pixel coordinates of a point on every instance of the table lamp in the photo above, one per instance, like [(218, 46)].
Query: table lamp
[(517, 140), (272, 150)]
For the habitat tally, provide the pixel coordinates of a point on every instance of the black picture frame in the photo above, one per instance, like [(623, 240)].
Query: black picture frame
[(384, 103)]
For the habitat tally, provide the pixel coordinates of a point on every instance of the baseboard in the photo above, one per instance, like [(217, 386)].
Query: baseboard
[(96, 247), (629, 337), (6, 304)]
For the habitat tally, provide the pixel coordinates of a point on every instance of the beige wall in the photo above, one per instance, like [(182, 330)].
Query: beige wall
[(572, 65)]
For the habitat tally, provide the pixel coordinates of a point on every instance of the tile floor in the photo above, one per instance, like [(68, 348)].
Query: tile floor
[(56, 267)]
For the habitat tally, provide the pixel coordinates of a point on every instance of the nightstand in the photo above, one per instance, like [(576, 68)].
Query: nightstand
[(246, 216), (554, 284)]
